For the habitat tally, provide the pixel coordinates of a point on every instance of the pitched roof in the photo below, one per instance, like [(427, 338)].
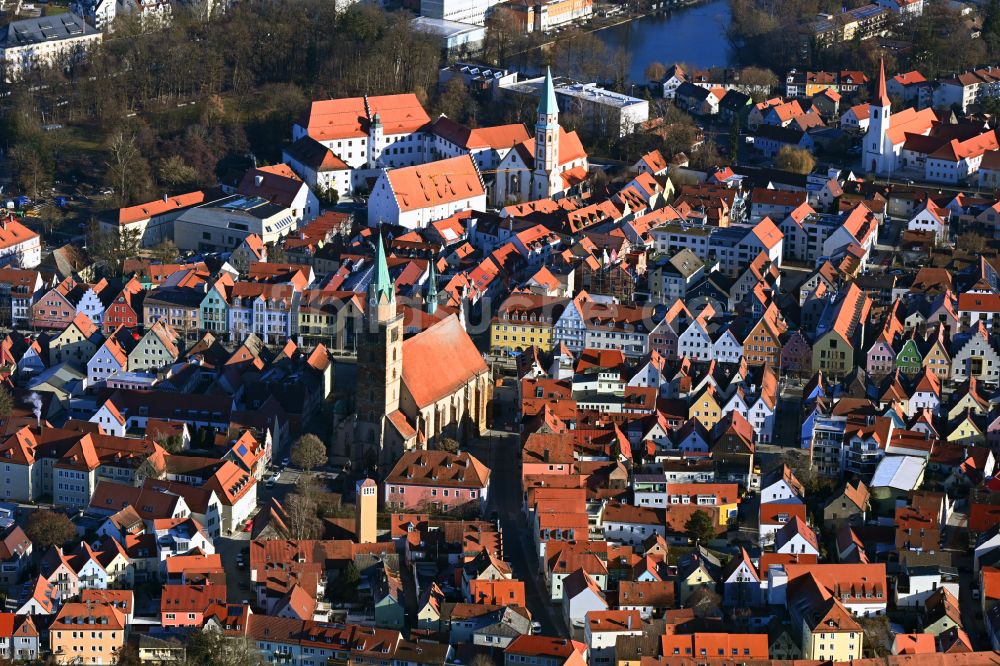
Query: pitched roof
[(315, 155), (435, 183), (439, 468), (159, 207), (351, 117), (439, 360)]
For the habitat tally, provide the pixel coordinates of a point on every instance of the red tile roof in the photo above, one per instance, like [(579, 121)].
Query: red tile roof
[(159, 207), (439, 468), (435, 183), (439, 360), (350, 117)]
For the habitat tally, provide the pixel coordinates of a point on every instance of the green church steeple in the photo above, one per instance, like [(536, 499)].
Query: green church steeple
[(381, 286), (547, 102)]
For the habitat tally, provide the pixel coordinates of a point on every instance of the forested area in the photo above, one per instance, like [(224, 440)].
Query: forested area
[(157, 111), (778, 34)]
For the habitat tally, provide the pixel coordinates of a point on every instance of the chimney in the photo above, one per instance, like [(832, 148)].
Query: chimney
[(166, 197)]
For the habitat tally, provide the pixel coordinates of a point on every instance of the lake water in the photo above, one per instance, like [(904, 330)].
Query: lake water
[(693, 35)]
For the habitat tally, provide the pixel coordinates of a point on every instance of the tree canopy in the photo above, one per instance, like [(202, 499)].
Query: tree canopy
[(309, 452), (48, 528), (699, 527)]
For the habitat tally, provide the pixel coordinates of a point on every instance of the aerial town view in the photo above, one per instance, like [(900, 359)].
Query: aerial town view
[(500, 332)]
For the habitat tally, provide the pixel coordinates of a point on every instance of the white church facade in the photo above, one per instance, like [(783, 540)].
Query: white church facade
[(550, 165)]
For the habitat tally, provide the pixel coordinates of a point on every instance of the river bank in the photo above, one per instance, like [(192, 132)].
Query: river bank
[(690, 32), (695, 35)]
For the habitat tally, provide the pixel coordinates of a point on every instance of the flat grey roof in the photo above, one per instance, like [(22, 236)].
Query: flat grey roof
[(596, 94)]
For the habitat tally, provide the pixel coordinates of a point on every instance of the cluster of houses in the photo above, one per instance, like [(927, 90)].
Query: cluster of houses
[(923, 139), (750, 415)]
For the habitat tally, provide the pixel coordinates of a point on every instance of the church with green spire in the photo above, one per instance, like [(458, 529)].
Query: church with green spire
[(552, 164), (410, 393), (380, 359)]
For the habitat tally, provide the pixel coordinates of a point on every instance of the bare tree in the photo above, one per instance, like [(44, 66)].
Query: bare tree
[(302, 519), (655, 71), (128, 170), (309, 452)]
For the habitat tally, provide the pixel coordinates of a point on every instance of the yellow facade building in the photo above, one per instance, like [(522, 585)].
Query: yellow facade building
[(524, 320)]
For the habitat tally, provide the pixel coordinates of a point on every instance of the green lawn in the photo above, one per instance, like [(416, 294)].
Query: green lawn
[(52, 10)]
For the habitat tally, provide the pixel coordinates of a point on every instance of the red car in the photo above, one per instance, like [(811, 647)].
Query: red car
[(248, 526)]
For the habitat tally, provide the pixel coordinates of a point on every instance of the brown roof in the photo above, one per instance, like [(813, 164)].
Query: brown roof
[(439, 468)]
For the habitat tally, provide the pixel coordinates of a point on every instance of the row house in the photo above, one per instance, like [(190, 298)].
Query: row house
[(89, 632), (18, 290), (177, 306), (732, 247), (54, 310), (812, 237), (330, 318), (436, 478), (125, 308), (267, 310), (526, 319)]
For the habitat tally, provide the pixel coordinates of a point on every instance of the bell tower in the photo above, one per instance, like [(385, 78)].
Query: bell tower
[(380, 360), (546, 141), (877, 154)]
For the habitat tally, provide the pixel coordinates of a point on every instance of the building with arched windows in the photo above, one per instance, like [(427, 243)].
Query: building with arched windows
[(551, 164), (412, 392)]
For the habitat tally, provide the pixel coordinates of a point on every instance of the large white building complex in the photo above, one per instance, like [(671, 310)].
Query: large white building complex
[(605, 111), (417, 170), (44, 41), (917, 143), (461, 11)]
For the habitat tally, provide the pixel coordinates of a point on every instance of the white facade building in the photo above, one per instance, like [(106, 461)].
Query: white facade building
[(461, 11), (45, 41), (415, 196), (606, 112), (224, 224)]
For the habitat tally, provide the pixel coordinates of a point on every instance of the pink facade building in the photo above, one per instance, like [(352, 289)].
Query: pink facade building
[(438, 479)]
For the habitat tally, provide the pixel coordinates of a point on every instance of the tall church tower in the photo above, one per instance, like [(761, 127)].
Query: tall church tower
[(545, 179), (380, 362), (877, 154)]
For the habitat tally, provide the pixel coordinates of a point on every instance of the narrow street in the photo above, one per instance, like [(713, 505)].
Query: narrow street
[(500, 454)]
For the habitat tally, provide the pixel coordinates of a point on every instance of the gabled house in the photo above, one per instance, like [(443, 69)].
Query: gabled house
[(157, 348), (76, 343)]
